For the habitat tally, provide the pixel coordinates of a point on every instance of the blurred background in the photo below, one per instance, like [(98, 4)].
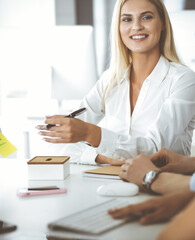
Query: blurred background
[(53, 51)]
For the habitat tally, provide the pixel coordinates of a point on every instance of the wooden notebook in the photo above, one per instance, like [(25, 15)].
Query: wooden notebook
[(104, 172)]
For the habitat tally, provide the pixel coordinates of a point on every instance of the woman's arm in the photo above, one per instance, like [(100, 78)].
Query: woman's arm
[(81, 128)]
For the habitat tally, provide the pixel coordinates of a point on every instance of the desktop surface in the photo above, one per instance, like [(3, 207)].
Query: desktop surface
[(32, 214)]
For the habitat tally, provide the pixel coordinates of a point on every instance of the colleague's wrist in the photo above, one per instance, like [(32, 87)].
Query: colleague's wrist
[(169, 182), (189, 164), (149, 178)]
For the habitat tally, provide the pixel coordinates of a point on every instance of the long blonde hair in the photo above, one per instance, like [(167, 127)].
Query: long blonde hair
[(121, 55)]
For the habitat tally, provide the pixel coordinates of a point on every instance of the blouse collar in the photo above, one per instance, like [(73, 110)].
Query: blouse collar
[(157, 75)]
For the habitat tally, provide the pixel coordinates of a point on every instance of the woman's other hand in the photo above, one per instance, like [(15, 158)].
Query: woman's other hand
[(107, 160)]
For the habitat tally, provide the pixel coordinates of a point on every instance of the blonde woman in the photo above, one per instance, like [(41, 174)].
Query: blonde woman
[(146, 95)]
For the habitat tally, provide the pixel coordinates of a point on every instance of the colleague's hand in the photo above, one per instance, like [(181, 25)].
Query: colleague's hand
[(170, 161), (107, 160), (155, 210), (70, 130), (135, 169)]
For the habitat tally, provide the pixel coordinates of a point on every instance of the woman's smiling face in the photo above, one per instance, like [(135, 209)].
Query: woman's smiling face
[(140, 26)]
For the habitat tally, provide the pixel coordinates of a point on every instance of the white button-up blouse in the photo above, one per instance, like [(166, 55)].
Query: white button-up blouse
[(164, 115)]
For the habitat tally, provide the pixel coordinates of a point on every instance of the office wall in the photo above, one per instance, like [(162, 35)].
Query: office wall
[(189, 4), (177, 5), (27, 13), (84, 12), (102, 15), (65, 12), (174, 5), (97, 13)]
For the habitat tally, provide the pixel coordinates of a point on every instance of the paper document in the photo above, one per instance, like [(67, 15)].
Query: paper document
[(6, 148), (104, 172)]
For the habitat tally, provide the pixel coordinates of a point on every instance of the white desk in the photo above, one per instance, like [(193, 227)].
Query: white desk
[(32, 214)]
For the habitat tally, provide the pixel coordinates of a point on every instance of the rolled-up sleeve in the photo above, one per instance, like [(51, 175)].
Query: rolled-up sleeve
[(81, 152), (125, 146)]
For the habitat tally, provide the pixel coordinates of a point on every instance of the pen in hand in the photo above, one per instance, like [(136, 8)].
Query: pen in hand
[(71, 115)]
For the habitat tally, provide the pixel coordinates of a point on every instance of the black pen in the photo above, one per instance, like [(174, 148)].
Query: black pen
[(42, 188), (71, 115)]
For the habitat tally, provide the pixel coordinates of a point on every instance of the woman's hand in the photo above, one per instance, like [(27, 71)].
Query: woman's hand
[(106, 160), (70, 130), (172, 162), (135, 169), (156, 209)]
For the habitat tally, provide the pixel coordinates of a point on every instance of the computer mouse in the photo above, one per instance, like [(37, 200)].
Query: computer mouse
[(118, 189)]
